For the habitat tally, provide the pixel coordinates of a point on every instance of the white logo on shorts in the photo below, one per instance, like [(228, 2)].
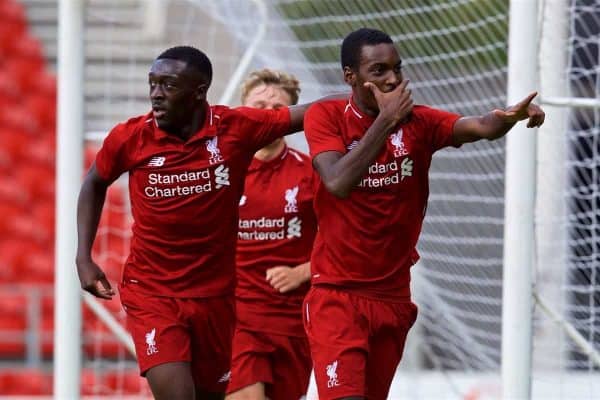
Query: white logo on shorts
[(151, 342), (332, 374), (226, 377)]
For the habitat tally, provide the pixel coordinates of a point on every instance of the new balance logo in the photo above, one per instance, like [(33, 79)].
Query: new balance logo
[(406, 168), (332, 374), (213, 149), (226, 377), (294, 228), (156, 162), (221, 176), (151, 343), (290, 198)]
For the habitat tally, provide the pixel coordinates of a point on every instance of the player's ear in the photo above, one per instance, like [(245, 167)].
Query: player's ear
[(201, 91), (349, 76)]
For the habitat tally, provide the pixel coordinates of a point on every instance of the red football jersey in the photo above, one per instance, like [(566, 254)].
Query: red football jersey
[(366, 243), (184, 196), (277, 227)]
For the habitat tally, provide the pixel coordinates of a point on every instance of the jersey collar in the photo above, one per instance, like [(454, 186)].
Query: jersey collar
[(273, 163), (353, 112)]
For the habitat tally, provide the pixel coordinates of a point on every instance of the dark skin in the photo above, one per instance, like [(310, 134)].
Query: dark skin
[(178, 98), (380, 90)]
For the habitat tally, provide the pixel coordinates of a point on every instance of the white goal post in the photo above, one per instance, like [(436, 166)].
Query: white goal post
[(69, 166)]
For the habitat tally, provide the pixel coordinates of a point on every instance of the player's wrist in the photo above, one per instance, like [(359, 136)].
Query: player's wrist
[(83, 259)]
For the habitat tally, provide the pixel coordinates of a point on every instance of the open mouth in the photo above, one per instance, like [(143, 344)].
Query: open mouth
[(158, 113)]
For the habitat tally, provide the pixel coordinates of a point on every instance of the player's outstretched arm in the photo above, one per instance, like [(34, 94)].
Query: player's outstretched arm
[(497, 123), (297, 112), (89, 209), (340, 173)]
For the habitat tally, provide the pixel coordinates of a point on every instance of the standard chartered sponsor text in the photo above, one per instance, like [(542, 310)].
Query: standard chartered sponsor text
[(200, 182), (275, 225), (379, 181)]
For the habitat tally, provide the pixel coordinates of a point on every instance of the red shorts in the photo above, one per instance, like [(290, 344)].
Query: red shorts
[(356, 342), (195, 330), (282, 363)]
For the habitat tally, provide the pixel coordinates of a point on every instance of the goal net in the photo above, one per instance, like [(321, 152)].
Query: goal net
[(455, 54)]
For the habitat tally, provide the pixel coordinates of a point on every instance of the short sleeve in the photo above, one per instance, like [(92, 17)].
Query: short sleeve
[(260, 127), (439, 127), (114, 158), (322, 131)]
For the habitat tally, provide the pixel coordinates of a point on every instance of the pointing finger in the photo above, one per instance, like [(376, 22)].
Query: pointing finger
[(527, 100)]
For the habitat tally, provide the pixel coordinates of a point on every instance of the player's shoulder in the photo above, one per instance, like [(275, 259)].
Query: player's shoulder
[(329, 107), (133, 127)]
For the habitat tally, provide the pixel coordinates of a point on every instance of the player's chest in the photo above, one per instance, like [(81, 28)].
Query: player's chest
[(401, 162), (187, 170), (276, 195)]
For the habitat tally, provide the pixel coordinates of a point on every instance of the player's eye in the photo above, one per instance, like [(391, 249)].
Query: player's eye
[(377, 71)]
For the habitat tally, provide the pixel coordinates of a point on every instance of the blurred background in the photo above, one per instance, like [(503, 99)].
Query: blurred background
[(455, 52)]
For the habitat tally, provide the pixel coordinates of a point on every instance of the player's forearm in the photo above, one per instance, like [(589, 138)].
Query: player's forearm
[(493, 127), (89, 209), (346, 173)]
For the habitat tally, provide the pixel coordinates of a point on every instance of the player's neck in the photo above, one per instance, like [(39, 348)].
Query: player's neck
[(196, 122), (363, 108), (270, 151)]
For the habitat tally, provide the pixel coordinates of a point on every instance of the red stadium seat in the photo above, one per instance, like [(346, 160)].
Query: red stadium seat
[(39, 267), (42, 108), (24, 71), (28, 229), (17, 120), (12, 253), (14, 144), (13, 22), (42, 152), (25, 382), (44, 214), (13, 321), (37, 180), (9, 89), (28, 48), (47, 328)]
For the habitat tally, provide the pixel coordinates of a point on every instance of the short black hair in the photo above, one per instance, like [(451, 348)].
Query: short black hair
[(192, 57), (353, 43)]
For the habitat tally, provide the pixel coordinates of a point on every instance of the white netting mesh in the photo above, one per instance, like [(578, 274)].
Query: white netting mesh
[(568, 198), (454, 52)]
